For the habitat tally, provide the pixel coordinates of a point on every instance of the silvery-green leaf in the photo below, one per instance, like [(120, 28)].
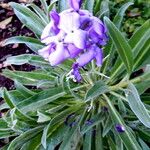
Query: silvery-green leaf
[(96, 90), (137, 105)]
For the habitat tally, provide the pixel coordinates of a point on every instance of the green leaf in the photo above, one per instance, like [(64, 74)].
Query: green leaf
[(43, 117), (28, 78), (31, 59), (127, 137), (87, 143), (104, 8), (23, 138), (137, 106), (52, 4), (107, 126), (23, 90), (6, 134), (63, 5), (45, 6), (123, 48), (34, 43), (97, 6), (4, 106), (111, 143), (28, 17), (142, 86), (89, 5), (143, 144), (144, 134), (71, 139), (17, 112), (137, 44), (41, 14), (139, 33), (98, 139), (57, 136), (48, 131), (44, 136), (33, 143), (1, 92), (99, 88), (40, 99), (143, 53), (3, 124), (8, 99), (120, 14), (96, 119)]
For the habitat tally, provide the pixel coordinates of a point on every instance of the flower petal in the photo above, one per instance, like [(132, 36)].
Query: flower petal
[(75, 4), (69, 21), (46, 31), (45, 52), (59, 55), (93, 35), (99, 56), (54, 17), (86, 58), (80, 38), (49, 40), (73, 51), (49, 30), (76, 72), (69, 38), (84, 12)]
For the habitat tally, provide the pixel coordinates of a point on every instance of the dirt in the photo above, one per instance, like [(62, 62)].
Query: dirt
[(14, 28)]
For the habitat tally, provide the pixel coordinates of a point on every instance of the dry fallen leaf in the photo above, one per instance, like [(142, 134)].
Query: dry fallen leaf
[(1, 66), (5, 22), (25, 1), (5, 6), (2, 43)]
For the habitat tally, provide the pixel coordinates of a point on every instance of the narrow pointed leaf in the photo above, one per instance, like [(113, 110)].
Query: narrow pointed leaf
[(28, 17), (31, 59), (127, 137), (119, 16), (137, 106), (89, 5), (121, 44), (98, 88), (34, 43), (63, 4)]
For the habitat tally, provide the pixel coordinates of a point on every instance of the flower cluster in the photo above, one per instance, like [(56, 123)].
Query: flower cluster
[(73, 33)]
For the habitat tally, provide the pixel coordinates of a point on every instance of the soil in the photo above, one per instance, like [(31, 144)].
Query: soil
[(14, 28)]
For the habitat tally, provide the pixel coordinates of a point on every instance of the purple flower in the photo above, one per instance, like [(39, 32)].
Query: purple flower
[(70, 23), (51, 29), (76, 73), (120, 128), (89, 122), (69, 117), (75, 4), (46, 51), (59, 55), (73, 50), (74, 33)]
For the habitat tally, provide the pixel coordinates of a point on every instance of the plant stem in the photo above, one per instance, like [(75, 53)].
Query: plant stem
[(125, 83)]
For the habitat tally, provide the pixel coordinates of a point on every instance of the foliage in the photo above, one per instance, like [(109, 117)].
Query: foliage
[(68, 115)]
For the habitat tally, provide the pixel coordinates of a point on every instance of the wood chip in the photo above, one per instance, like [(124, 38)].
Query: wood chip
[(4, 23), (2, 43), (6, 6), (26, 1)]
